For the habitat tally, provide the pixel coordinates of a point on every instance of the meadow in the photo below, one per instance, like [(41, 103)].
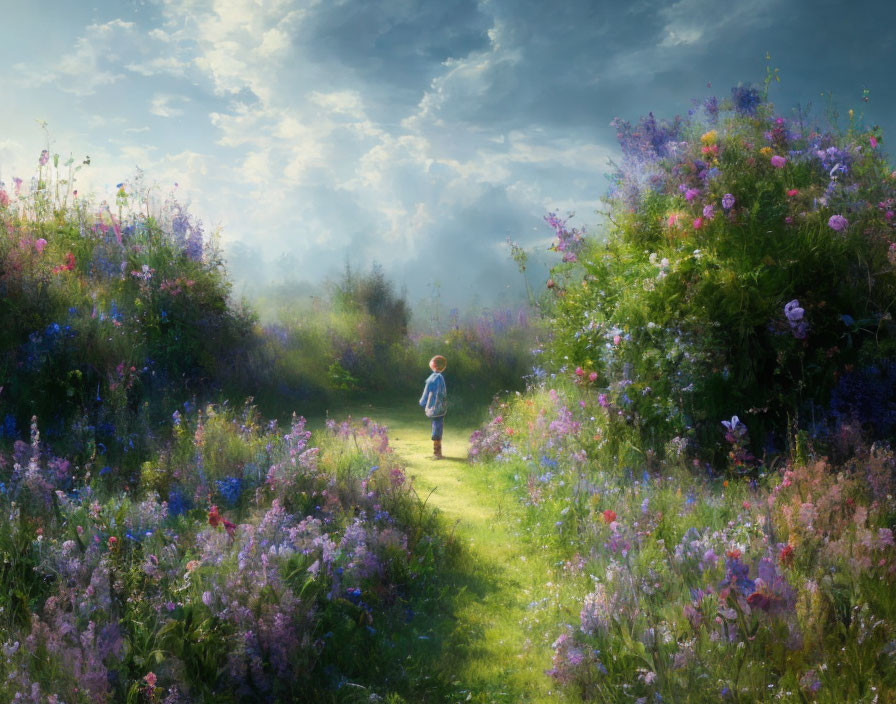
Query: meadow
[(667, 478)]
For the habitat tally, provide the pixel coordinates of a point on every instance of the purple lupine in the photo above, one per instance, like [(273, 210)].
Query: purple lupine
[(727, 201)]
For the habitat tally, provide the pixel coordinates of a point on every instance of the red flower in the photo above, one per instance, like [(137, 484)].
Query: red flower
[(609, 515), (785, 557), (215, 519), (734, 554)]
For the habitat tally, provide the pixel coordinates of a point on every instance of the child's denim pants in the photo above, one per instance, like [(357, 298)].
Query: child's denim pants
[(437, 426)]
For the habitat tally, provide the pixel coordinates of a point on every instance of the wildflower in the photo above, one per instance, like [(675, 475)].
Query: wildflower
[(793, 192), (727, 201), (690, 194), (778, 161), (735, 427), (192, 565), (709, 211), (44, 157), (39, 245), (112, 542), (793, 311), (602, 400), (150, 679), (215, 519), (4, 198), (580, 371), (745, 99), (709, 137), (872, 140), (698, 223), (838, 223), (609, 515), (794, 315), (592, 377), (617, 339), (785, 557)]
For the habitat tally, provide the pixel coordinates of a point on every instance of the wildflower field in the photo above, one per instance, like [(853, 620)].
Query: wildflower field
[(669, 478)]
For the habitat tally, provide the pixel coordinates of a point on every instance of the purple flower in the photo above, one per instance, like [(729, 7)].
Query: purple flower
[(794, 315), (793, 311), (727, 201), (735, 427), (778, 161), (709, 211), (838, 223), (691, 193), (44, 157)]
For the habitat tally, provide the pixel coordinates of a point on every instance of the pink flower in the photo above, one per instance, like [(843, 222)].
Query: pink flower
[(4, 198), (873, 141), (616, 339), (592, 377), (778, 161), (44, 157), (580, 371), (40, 244), (602, 400), (793, 192), (673, 220), (698, 223), (150, 679)]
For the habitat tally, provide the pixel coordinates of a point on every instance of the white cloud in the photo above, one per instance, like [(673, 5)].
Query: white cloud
[(163, 105), (93, 62), (160, 65)]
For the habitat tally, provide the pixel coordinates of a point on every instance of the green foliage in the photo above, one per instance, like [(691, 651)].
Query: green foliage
[(714, 226)]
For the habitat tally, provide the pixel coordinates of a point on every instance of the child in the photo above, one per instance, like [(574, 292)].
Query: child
[(433, 401)]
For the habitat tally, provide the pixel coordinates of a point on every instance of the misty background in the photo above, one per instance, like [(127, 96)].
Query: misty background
[(419, 135)]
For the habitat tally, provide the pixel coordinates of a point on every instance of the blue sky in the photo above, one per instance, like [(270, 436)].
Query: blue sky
[(418, 134)]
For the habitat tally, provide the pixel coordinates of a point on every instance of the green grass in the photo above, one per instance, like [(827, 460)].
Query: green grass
[(475, 638)]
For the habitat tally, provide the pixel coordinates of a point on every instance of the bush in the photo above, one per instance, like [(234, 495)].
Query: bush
[(748, 265), (108, 318)]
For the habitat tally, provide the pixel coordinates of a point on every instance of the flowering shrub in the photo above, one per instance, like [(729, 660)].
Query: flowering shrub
[(743, 247), (107, 308)]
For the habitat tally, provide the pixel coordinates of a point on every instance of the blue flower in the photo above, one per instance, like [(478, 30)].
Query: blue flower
[(745, 99), (178, 503), (230, 489)]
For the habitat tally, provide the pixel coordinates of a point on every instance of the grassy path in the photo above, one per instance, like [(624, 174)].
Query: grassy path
[(491, 647)]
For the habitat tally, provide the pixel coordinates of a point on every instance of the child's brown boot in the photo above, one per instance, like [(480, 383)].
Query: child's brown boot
[(437, 449)]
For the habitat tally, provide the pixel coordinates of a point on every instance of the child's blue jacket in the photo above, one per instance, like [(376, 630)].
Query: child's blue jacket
[(435, 396)]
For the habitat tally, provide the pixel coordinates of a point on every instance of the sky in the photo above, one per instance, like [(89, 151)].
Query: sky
[(417, 134)]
